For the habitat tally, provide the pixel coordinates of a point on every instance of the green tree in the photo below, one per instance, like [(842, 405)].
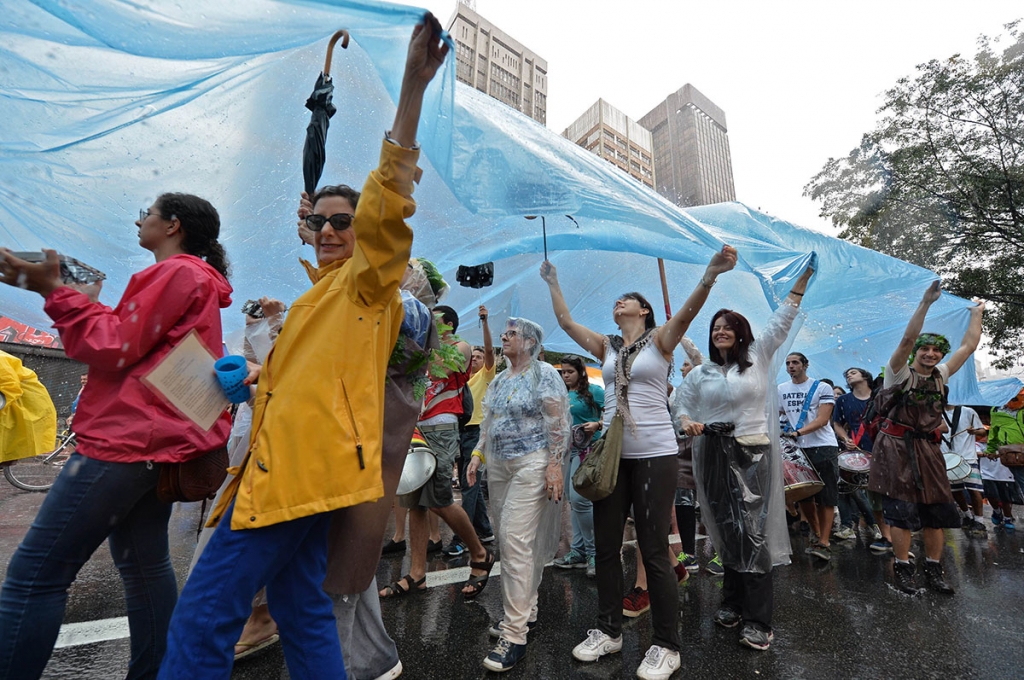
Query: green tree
[(940, 181)]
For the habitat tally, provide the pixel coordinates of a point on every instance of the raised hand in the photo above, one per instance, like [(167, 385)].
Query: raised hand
[(933, 293), (549, 273), (722, 261), (482, 313), (426, 51)]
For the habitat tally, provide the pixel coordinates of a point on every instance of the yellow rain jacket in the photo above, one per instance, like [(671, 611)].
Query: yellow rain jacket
[(317, 422), (28, 421)]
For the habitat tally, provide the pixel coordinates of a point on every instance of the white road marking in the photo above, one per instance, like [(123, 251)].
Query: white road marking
[(91, 632), (104, 630)]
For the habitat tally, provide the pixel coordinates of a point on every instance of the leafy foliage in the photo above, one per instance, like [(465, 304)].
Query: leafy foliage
[(940, 181)]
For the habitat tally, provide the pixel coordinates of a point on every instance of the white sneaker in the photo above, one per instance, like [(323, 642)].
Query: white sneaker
[(658, 664), (598, 644), (392, 674)]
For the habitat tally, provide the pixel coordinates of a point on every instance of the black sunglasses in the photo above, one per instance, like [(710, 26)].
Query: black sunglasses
[(339, 221)]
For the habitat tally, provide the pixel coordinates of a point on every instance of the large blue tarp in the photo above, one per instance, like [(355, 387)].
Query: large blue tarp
[(106, 104)]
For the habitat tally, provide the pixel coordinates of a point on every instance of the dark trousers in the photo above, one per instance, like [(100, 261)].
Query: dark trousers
[(91, 501), (472, 497), (649, 486), (853, 506), (686, 520), (750, 595)]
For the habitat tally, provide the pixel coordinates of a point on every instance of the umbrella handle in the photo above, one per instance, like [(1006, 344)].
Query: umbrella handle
[(343, 35)]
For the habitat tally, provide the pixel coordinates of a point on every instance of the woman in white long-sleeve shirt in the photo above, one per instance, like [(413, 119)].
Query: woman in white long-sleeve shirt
[(736, 463)]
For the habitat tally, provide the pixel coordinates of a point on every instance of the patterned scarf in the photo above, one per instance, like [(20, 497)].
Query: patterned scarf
[(624, 359)]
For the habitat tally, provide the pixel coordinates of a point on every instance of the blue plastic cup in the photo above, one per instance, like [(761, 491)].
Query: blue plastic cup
[(231, 373)]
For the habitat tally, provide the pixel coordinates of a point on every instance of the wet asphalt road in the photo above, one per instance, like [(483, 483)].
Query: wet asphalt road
[(839, 620)]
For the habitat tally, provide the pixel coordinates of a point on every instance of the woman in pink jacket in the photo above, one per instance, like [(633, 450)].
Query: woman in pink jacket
[(125, 432)]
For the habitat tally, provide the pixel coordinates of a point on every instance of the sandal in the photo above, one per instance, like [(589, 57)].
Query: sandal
[(396, 589), (477, 583), (250, 648)]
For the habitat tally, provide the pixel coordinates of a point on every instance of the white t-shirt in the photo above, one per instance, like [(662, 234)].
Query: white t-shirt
[(992, 469), (647, 395), (962, 441), (791, 401)]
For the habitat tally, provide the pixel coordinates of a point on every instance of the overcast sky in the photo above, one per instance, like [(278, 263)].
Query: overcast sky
[(799, 81)]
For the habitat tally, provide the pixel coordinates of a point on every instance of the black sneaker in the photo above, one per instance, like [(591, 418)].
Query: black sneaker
[(903, 578), (726, 618), (504, 656), (392, 547), (454, 548), (933, 575), (434, 546), (752, 636)]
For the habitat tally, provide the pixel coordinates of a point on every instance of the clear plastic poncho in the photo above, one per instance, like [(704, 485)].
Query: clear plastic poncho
[(523, 414), (738, 473)]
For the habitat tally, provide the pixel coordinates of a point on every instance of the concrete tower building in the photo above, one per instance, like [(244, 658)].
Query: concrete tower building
[(493, 62), (692, 162), (614, 136)]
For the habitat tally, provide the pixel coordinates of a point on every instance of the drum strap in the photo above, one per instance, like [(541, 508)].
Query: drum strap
[(802, 420), (953, 423)]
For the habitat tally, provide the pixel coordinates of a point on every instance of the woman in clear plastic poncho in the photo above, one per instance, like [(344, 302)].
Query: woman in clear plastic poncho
[(524, 438), (729, 400)]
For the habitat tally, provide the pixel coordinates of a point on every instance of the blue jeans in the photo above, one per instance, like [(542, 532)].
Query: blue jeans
[(90, 501), (582, 514), (472, 497), (290, 559), (853, 506)]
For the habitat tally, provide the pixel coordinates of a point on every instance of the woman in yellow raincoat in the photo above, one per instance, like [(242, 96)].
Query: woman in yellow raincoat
[(28, 420)]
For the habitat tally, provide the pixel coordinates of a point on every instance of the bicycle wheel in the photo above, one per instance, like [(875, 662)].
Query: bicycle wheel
[(37, 473)]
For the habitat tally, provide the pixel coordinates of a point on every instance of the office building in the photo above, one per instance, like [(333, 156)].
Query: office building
[(692, 162), (493, 62), (614, 136)]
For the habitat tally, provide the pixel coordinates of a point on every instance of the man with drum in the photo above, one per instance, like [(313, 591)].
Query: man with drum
[(962, 466), (907, 466), (807, 405), (852, 432)]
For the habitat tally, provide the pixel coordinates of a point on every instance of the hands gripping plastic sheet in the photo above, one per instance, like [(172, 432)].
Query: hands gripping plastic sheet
[(107, 104)]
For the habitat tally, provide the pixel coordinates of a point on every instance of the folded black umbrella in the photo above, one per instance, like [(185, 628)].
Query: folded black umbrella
[(314, 153), (477, 276)]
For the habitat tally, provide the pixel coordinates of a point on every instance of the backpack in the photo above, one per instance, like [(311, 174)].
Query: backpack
[(467, 406)]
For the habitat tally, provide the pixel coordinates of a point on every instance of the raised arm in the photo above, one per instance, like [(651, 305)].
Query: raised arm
[(669, 335), (426, 54), (488, 342), (899, 358), (591, 341), (971, 339)]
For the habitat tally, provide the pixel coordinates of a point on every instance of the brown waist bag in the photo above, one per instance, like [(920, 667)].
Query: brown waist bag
[(1012, 455), (194, 480)]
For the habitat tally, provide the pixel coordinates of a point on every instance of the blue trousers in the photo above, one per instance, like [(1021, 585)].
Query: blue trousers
[(290, 558), (472, 496), (90, 501), (582, 513)]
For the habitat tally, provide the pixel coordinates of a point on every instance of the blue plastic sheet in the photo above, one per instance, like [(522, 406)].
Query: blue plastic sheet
[(106, 104)]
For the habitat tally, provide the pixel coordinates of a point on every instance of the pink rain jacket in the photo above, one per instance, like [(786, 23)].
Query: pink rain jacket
[(119, 418)]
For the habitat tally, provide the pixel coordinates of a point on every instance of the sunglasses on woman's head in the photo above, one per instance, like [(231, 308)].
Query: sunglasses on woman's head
[(339, 221)]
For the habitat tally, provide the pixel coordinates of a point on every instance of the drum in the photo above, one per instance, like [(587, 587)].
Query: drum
[(801, 479), (419, 468), (855, 468), (957, 468)]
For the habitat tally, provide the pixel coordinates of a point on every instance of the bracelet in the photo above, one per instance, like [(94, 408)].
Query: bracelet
[(388, 139), (705, 283), (793, 292)]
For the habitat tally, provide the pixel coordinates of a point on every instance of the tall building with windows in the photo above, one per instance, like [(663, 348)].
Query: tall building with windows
[(615, 137), (692, 162), (493, 62)]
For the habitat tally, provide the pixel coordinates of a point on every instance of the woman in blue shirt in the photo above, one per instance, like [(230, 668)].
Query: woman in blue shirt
[(586, 402)]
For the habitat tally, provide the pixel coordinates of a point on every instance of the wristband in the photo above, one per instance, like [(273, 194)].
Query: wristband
[(705, 283)]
